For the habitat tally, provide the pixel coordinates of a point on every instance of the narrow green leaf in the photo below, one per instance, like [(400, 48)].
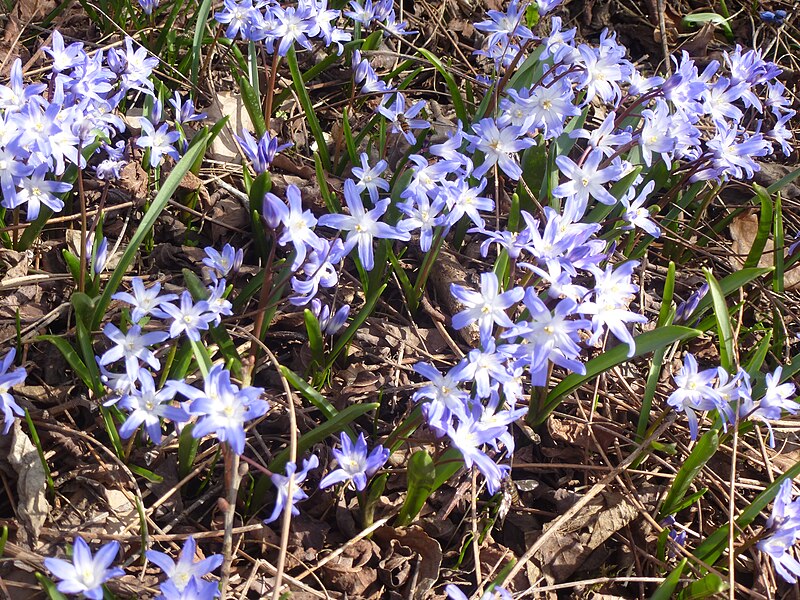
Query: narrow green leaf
[(197, 41), (709, 586), (452, 86), (420, 476), (349, 142), (308, 108), (252, 106), (187, 450), (759, 355), (315, 341), (37, 442), (764, 227), (728, 285), (72, 357), (644, 343), (149, 219), (309, 393), (49, 588), (700, 455), (357, 322), (723, 318), (710, 17), (716, 543), (666, 590), (146, 473)]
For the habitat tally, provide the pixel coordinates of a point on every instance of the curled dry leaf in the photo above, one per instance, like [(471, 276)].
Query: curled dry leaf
[(349, 572), (565, 552), (411, 560)]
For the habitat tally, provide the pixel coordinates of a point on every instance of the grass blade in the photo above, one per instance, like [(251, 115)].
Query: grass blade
[(723, 317), (701, 454), (158, 205), (645, 343), (308, 109)]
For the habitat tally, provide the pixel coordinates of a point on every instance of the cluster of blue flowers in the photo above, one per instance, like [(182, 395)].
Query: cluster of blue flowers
[(44, 127), (782, 533), (712, 124), (87, 573), (221, 407), (730, 395)]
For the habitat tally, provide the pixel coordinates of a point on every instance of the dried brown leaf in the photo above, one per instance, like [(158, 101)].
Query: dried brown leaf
[(743, 230), (32, 507)]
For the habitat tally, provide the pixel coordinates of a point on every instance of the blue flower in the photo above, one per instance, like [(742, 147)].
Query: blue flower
[(499, 147), (223, 408), (158, 141), (86, 574), (190, 318), (148, 406), (469, 435), (260, 152), (356, 464), (145, 301), (186, 571), (132, 346), (224, 263), (281, 482), (784, 523), (695, 391), (488, 307), (404, 120), (362, 225), (36, 191), (9, 379)]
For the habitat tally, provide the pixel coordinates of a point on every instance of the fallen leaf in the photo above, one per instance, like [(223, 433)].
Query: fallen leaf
[(224, 147), (349, 572), (32, 507), (411, 560), (743, 230), (565, 552)]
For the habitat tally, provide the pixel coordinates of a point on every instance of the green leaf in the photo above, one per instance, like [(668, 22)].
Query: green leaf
[(49, 588), (309, 393), (315, 341), (420, 474), (700, 455), (666, 590), (319, 433), (357, 322), (187, 450), (252, 106), (710, 17), (72, 357), (197, 41), (146, 473), (712, 585), (349, 142), (644, 343), (759, 355), (723, 318), (728, 285), (308, 108), (149, 219), (716, 543), (764, 227), (452, 86)]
